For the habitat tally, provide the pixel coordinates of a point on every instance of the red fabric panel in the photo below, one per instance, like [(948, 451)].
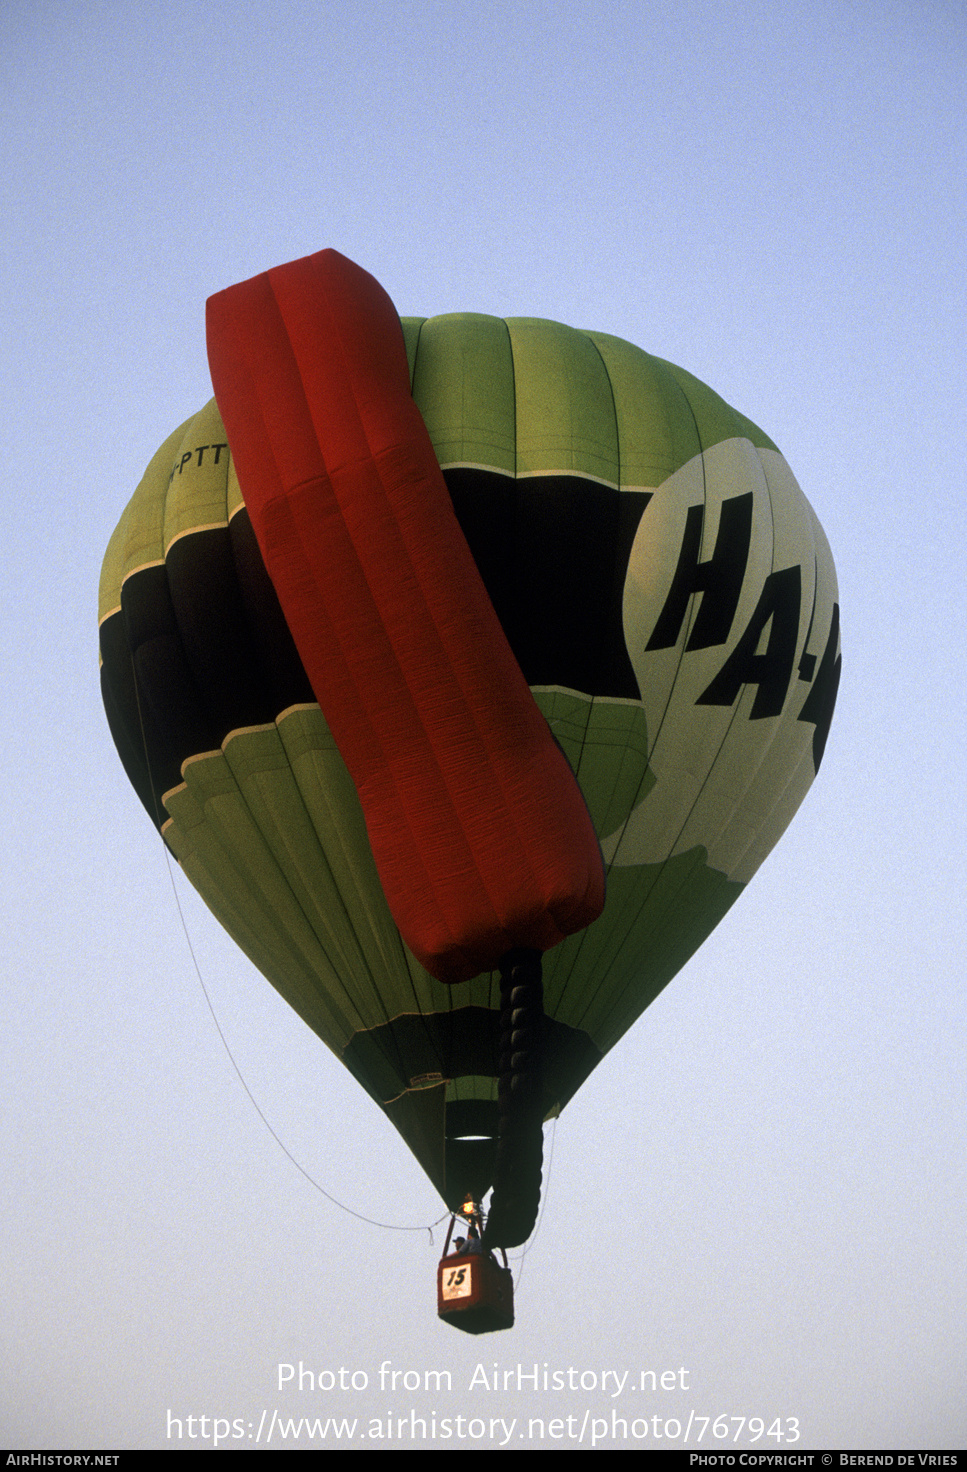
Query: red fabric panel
[(479, 830)]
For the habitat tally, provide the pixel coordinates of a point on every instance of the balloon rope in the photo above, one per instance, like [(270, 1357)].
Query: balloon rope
[(548, 1167), (516, 1195), (388, 1226)]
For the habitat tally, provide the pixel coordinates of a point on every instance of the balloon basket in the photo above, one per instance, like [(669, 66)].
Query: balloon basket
[(474, 1293)]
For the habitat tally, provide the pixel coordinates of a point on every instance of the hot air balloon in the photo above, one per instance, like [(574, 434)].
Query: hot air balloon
[(628, 668)]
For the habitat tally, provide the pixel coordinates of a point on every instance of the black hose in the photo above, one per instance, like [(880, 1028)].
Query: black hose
[(520, 1140)]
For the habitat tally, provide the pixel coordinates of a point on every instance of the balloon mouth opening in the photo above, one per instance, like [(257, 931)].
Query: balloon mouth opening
[(472, 1119), (471, 1143)]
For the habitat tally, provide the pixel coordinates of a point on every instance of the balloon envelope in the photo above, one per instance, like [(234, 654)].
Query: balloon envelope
[(671, 600)]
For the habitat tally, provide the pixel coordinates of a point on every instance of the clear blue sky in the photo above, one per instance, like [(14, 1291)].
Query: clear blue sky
[(764, 1183)]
